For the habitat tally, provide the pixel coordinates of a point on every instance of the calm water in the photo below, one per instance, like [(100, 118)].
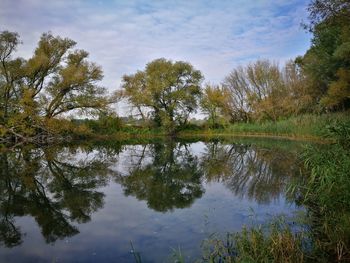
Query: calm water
[(87, 203)]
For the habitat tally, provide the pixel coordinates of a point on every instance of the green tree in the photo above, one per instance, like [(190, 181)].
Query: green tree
[(212, 103), (11, 72), (300, 96), (168, 90), (57, 79), (327, 62), (67, 79)]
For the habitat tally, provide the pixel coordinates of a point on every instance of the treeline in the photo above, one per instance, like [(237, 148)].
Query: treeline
[(36, 94), (167, 92)]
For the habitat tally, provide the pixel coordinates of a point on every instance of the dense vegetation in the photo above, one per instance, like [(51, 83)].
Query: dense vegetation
[(39, 95), (35, 93)]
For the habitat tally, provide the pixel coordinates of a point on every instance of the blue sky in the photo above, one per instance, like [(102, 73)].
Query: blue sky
[(122, 36)]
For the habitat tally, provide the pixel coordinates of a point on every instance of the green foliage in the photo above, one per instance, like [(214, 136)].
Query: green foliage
[(308, 126), (326, 194), (275, 242), (213, 102), (168, 91), (107, 123), (339, 90), (327, 62), (54, 81), (340, 131), (304, 125)]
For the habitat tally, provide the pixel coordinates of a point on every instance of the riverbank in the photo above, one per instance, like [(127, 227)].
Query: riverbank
[(322, 234), (309, 127), (303, 128)]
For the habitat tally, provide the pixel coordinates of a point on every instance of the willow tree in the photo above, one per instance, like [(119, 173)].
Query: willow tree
[(56, 80), (168, 90)]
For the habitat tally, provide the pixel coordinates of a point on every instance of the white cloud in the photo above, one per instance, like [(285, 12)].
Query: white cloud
[(122, 36)]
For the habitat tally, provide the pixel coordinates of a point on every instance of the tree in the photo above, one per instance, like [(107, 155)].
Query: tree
[(68, 81), (300, 93), (236, 88), (213, 103), (327, 10), (168, 90), (328, 59), (256, 91), (266, 89), (10, 72), (57, 79)]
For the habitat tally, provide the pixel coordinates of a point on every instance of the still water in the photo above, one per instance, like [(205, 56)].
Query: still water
[(89, 202)]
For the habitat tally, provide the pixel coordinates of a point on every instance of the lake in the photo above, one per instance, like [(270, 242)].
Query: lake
[(99, 202)]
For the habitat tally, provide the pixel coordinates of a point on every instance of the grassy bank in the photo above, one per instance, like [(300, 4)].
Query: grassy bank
[(324, 235), (309, 126), (303, 127)]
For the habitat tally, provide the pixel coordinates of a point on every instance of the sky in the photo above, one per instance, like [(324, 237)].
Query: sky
[(123, 36)]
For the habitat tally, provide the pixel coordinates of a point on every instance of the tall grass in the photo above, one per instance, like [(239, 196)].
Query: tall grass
[(325, 193), (275, 242), (309, 126), (304, 125)]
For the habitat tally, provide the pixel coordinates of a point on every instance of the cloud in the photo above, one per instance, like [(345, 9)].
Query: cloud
[(122, 36)]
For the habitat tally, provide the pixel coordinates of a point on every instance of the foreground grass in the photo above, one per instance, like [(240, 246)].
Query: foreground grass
[(275, 242), (326, 196)]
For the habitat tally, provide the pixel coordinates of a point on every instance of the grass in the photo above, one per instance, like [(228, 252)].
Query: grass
[(325, 194), (275, 242), (308, 126), (304, 127)]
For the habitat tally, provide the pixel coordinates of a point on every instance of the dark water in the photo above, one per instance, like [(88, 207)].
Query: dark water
[(87, 203)]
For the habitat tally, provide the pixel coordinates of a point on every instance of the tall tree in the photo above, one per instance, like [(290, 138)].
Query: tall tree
[(213, 103), (55, 80), (10, 73), (67, 79), (327, 62), (236, 88), (168, 90)]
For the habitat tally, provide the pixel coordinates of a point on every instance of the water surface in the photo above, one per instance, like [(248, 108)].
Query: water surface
[(87, 203)]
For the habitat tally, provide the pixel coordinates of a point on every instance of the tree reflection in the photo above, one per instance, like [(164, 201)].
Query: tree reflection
[(56, 186), (256, 173), (167, 176), (60, 186)]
